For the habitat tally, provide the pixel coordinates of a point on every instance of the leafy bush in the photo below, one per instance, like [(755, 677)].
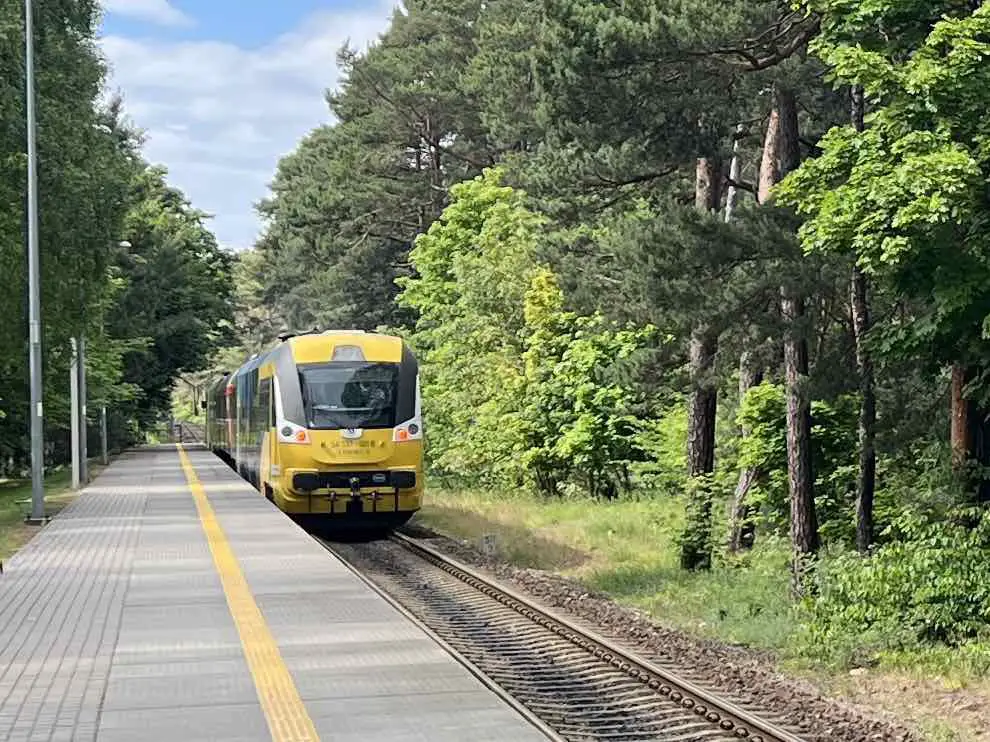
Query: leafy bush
[(664, 443), (577, 420), (473, 268), (929, 583)]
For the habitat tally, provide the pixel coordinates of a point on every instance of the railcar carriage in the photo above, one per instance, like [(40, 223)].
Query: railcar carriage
[(328, 426), (217, 417)]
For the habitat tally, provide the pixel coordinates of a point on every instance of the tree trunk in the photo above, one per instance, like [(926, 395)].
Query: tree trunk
[(696, 546), (804, 522), (701, 426), (781, 155), (741, 531), (959, 435), (860, 303), (781, 148), (708, 184), (970, 434), (735, 167), (866, 482)]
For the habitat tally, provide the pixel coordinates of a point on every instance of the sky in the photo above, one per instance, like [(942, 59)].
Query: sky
[(224, 88)]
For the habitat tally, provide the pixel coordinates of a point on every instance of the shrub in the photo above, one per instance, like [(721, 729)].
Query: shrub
[(929, 583)]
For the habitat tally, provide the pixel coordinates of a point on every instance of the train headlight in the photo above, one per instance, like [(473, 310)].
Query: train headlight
[(409, 431), (291, 433)]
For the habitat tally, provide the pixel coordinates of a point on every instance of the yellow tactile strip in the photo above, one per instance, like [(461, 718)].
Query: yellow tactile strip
[(287, 717)]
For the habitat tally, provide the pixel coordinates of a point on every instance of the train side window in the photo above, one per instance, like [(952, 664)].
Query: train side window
[(271, 408), (265, 404)]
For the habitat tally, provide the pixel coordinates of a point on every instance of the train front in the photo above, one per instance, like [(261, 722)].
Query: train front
[(349, 431)]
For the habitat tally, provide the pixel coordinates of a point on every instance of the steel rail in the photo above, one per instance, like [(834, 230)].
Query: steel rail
[(719, 712), (526, 713)]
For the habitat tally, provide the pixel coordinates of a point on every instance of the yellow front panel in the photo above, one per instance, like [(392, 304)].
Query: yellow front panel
[(329, 451), (330, 447)]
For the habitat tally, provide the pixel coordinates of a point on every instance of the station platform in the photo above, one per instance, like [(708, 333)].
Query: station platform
[(170, 601)]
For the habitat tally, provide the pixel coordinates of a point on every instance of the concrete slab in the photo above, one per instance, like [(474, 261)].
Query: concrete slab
[(207, 722), (449, 716)]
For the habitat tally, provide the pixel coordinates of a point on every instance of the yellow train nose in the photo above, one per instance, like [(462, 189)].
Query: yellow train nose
[(333, 449)]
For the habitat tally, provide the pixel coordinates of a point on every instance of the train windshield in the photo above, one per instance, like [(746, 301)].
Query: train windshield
[(350, 395)]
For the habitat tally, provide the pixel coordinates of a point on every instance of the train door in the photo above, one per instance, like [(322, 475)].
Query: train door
[(266, 470), (238, 427), (229, 419)]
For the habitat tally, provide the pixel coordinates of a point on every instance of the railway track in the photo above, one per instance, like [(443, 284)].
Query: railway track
[(578, 684), (187, 432)]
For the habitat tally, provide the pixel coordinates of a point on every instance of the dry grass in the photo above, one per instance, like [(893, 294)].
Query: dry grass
[(945, 713)]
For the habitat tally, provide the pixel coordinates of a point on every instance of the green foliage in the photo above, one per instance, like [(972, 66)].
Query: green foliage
[(473, 267), (764, 412), (930, 583), (576, 418), (505, 361), (348, 204), (83, 180), (907, 197), (175, 262), (663, 440)]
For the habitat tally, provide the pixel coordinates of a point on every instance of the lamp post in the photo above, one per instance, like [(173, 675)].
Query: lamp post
[(74, 421), (34, 283), (77, 385), (83, 438), (104, 457)]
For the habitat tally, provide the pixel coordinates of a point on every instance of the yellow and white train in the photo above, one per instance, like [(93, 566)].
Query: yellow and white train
[(328, 426)]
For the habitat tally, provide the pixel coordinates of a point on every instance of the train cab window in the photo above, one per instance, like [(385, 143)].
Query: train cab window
[(350, 395)]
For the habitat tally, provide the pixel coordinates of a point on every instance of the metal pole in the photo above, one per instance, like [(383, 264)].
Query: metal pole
[(103, 435), (83, 427), (34, 281), (74, 417)]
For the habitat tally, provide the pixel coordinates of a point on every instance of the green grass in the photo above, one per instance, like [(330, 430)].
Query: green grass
[(628, 549), (58, 493), (939, 731)]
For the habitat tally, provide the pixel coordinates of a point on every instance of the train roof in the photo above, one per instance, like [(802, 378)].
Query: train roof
[(318, 347), (251, 364)]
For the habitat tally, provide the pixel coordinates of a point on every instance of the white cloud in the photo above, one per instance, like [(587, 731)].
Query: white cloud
[(220, 116), (156, 11)]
